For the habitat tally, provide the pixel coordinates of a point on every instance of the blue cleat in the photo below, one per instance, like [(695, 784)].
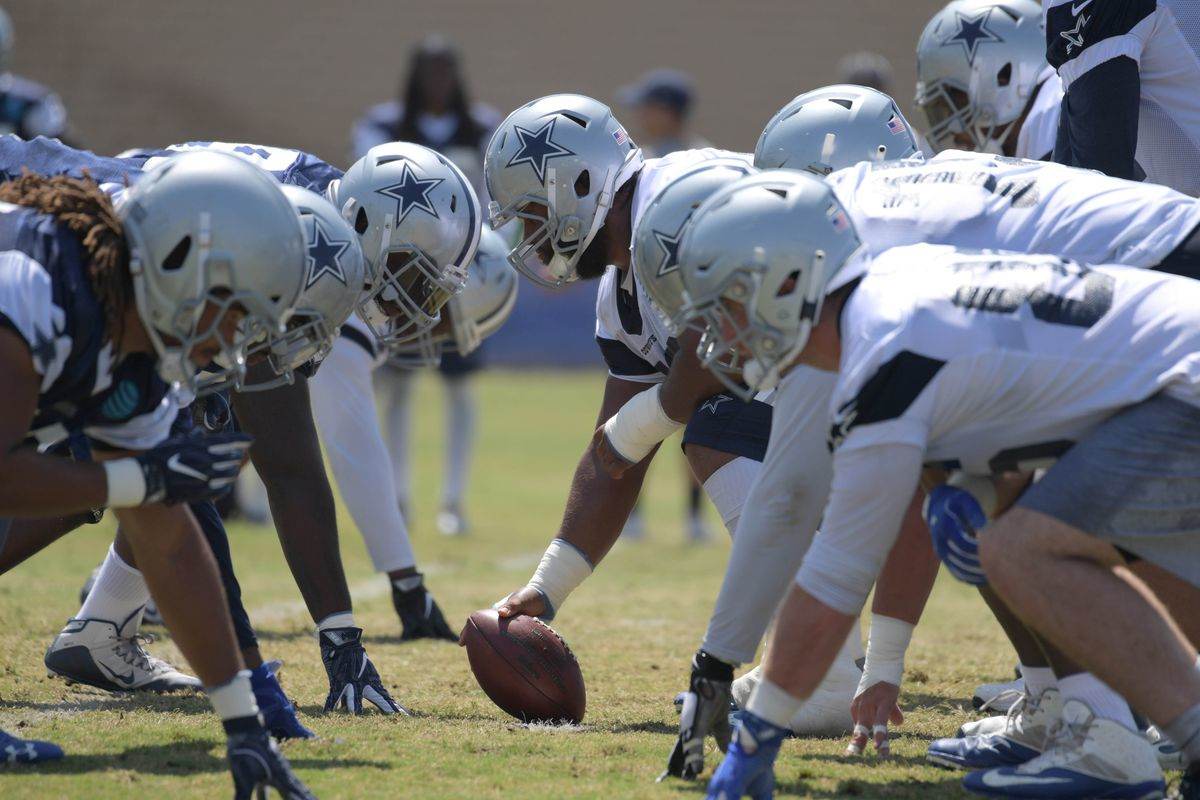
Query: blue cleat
[(278, 713), (749, 765), (1089, 758), (26, 751), (1019, 737)]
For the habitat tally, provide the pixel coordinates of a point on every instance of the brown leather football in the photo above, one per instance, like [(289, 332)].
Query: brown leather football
[(525, 667)]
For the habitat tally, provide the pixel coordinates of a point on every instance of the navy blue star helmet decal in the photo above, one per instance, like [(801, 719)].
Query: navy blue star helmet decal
[(412, 192), (669, 242), (972, 30), (535, 148), (323, 256)]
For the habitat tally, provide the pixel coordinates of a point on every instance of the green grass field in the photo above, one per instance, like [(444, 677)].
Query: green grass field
[(633, 626)]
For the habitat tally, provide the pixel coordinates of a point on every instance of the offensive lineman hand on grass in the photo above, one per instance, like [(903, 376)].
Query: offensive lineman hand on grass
[(610, 460), (872, 709), (705, 710), (352, 676)]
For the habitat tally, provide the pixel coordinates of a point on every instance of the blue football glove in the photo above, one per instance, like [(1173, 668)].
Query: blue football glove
[(26, 751), (256, 764), (278, 712), (189, 469), (955, 518), (749, 765)]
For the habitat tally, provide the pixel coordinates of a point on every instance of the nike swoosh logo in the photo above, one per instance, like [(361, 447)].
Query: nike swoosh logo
[(999, 780), (1076, 8), (125, 679), (175, 464)]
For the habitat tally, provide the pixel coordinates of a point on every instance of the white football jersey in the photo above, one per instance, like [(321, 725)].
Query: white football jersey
[(630, 329), (982, 201), (994, 362), (1040, 128)]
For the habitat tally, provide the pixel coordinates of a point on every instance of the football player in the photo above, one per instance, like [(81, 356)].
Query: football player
[(983, 82), (105, 308), (1130, 69), (924, 386), (27, 109)]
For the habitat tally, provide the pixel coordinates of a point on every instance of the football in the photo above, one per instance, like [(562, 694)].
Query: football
[(525, 667)]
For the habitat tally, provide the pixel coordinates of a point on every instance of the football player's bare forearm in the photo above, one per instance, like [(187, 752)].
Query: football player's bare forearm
[(598, 505), (688, 383), (34, 485), (27, 537), (911, 568), (287, 455), (182, 575)]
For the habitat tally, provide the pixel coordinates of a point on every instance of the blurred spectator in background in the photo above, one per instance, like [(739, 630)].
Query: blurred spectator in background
[(434, 110), (865, 68), (27, 109), (661, 102)]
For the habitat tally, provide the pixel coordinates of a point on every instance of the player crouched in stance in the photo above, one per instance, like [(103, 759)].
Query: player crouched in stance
[(930, 370), (197, 259)]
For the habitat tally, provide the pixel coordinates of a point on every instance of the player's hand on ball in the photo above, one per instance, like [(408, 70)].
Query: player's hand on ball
[(610, 460), (525, 601), (352, 676), (705, 710), (872, 709)]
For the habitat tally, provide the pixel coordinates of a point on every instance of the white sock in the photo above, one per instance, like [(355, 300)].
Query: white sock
[(460, 435), (773, 704), (728, 486), (120, 590), (1038, 679), (1103, 701)]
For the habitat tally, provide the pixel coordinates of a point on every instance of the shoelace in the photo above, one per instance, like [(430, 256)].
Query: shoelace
[(1024, 701), (1062, 739), (131, 651), (1007, 694)]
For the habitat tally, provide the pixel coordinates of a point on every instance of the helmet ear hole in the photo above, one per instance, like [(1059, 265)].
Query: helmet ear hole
[(583, 184), (178, 255), (1004, 76), (360, 221), (789, 284)]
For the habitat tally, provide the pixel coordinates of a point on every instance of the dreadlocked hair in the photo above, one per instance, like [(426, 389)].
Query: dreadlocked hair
[(87, 211)]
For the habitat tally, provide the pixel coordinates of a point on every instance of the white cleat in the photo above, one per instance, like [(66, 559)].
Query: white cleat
[(451, 522), (1087, 757), (1019, 705), (98, 653), (997, 697), (1169, 756)]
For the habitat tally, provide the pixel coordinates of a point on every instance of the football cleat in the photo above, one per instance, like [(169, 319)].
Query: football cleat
[(26, 751), (98, 653), (451, 521), (1023, 738), (997, 697), (419, 614), (749, 765), (1087, 758), (278, 712), (1169, 756)]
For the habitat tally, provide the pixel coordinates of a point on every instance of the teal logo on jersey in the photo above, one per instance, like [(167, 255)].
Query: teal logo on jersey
[(122, 401)]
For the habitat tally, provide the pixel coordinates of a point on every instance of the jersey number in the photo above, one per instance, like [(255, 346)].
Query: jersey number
[(1043, 302)]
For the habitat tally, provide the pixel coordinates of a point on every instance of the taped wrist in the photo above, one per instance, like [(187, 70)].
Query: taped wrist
[(886, 646), (126, 483), (639, 426), (563, 567)]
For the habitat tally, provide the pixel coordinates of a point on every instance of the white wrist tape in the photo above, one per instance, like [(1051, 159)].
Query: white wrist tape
[(886, 645), (639, 425), (235, 698), (126, 483), (981, 488), (562, 569)]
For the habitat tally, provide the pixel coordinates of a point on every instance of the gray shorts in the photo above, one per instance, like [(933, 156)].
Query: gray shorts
[(1134, 482)]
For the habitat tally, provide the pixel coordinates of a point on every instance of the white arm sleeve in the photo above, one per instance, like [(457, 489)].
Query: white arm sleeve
[(779, 518), (344, 408), (872, 487)]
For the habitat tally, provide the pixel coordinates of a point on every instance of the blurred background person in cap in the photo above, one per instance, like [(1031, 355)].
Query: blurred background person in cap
[(435, 110), (866, 68), (661, 102)]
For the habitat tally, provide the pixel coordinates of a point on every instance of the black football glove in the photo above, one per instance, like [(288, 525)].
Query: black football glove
[(188, 469), (705, 710), (420, 616), (256, 764), (352, 676)]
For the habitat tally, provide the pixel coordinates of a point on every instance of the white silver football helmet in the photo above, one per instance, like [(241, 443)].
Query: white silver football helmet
[(209, 228), (835, 127), (556, 163), (418, 221), (978, 63), (335, 275), (475, 313), (755, 261), (661, 226)]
